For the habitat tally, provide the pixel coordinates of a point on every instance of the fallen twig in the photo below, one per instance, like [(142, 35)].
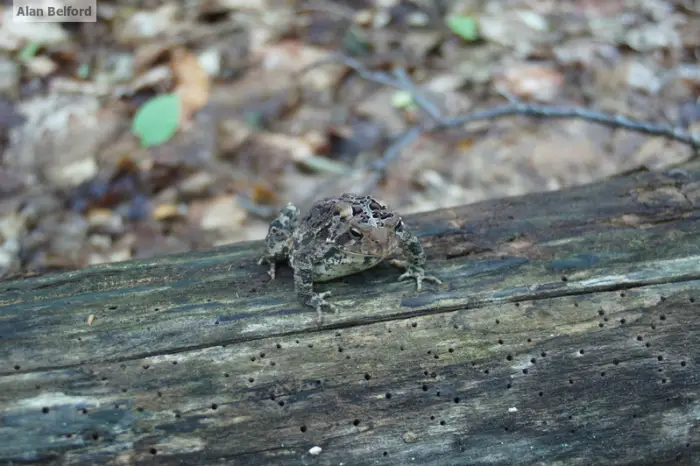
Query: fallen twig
[(438, 122)]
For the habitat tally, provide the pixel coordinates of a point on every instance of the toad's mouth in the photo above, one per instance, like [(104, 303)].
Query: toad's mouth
[(371, 251)]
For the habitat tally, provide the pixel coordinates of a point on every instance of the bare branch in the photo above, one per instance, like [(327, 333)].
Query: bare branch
[(401, 81), (546, 111), (404, 83), (403, 140)]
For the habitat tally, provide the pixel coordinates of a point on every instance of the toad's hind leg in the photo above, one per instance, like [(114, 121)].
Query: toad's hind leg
[(278, 242)]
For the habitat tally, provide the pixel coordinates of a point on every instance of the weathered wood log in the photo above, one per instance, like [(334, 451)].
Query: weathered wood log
[(567, 332)]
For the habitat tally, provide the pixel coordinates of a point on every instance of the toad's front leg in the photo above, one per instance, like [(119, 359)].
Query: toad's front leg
[(278, 242), (303, 286), (414, 266)]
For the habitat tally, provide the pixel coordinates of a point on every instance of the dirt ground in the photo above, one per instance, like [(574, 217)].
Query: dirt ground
[(268, 117)]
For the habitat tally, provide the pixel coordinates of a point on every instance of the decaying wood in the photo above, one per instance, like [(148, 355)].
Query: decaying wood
[(567, 332)]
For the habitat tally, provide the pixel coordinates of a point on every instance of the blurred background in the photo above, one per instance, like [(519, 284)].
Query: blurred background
[(172, 126)]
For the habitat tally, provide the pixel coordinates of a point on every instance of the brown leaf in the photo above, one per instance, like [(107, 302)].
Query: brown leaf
[(168, 212), (289, 57), (192, 80), (221, 214), (263, 195), (530, 81), (149, 54)]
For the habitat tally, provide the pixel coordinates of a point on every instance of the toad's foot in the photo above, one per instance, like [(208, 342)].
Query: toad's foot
[(319, 302), (272, 264), (414, 271)]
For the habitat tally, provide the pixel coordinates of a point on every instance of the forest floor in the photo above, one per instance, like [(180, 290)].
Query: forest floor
[(272, 109)]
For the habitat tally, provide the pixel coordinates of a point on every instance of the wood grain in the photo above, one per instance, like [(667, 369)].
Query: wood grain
[(566, 332)]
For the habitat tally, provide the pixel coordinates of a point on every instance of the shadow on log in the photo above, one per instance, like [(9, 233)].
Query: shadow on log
[(567, 332)]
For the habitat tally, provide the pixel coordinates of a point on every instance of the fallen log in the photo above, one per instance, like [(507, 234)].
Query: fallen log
[(567, 332)]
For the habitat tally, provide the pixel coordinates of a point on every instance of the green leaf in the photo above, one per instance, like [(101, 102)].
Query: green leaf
[(83, 71), (465, 27), (324, 164), (28, 51), (354, 44), (157, 120), (254, 119), (402, 100)]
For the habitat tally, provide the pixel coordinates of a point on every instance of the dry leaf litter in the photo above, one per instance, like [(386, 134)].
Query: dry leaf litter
[(77, 188)]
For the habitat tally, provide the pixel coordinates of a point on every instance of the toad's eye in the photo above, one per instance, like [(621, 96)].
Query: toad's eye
[(355, 233), (399, 227)]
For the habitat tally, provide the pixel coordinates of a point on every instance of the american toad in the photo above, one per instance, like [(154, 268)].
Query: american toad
[(340, 236)]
